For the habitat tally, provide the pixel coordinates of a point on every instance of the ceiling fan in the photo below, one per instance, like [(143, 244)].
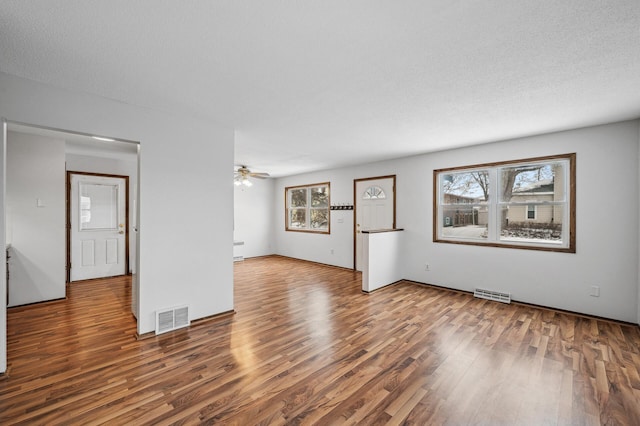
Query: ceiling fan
[(242, 174)]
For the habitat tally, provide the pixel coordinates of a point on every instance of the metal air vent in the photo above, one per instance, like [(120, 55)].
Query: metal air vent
[(492, 295), (172, 319)]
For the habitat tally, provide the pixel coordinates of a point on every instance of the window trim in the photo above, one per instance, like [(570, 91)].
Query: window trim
[(308, 208), (570, 203)]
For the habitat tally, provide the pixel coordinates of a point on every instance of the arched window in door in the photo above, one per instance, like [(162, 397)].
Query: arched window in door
[(374, 193)]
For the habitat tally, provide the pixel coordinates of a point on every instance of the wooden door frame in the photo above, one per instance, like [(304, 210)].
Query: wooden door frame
[(68, 213), (355, 207)]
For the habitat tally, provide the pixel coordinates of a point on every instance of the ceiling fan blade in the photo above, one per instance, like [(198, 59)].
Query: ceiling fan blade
[(260, 175)]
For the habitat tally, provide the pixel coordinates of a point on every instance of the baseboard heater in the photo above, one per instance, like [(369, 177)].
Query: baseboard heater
[(172, 319), (492, 295)]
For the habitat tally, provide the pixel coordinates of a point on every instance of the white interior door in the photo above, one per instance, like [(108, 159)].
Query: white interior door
[(374, 204), (98, 226)]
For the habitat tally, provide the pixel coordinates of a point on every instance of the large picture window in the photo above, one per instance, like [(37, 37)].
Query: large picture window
[(526, 204), (307, 208)]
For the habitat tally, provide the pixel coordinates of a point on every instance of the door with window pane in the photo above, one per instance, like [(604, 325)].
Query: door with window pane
[(374, 209), (98, 226)]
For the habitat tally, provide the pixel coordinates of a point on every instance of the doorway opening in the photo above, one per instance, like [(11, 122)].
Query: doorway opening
[(87, 156)]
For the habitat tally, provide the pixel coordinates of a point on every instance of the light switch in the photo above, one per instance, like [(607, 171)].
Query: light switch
[(39, 202)]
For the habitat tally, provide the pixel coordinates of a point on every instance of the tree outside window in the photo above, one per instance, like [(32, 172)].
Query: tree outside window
[(308, 208), (522, 204)]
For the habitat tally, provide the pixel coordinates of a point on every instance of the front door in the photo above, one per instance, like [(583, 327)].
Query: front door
[(98, 221), (374, 200)]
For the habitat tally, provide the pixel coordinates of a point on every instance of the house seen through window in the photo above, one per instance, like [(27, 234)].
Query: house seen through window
[(522, 204)]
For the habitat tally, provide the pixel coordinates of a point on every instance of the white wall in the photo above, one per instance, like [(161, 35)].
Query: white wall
[(606, 254), (253, 217), (35, 171), (125, 166), (607, 237), (186, 232), (382, 260), (318, 247)]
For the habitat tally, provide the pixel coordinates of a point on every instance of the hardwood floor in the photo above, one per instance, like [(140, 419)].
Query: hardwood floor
[(306, 346)]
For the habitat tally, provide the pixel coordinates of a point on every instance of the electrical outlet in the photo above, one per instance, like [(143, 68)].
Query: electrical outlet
[(427, 267), (331, 251), (595, 291)]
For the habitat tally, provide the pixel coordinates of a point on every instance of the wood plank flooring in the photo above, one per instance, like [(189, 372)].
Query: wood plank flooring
[(306, 346)]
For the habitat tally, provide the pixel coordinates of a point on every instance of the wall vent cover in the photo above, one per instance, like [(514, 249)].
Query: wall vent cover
[(492, 295), (172, 319)]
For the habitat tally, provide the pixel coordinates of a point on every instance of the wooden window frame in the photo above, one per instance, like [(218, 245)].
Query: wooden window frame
[(308, 208), (570, 203)]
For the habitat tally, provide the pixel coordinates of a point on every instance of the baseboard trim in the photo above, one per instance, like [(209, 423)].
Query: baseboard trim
[(309, 261), (533, 305), (5, 375), (44, 302), (383, 287), (213, 317)]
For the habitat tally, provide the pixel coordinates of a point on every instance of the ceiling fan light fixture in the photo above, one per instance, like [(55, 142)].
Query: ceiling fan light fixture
[(242, 175), (242, 180)]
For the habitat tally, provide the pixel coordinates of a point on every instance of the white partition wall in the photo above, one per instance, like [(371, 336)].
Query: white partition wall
[(382, 261)]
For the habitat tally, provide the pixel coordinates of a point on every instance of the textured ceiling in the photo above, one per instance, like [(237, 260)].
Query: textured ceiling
[(316, 84)]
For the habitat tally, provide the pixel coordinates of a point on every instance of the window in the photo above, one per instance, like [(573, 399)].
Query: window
[(98, 207), (520, 204), (531, 211), (374, 193), (307, 208)]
